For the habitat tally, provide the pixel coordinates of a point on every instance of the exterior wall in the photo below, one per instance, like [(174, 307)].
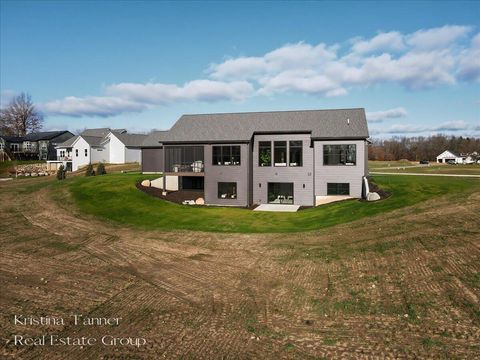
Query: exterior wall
[(81, 159), (218, 173), (152, 160), (117, 150), (299, 176), (99, 154), (133, 155), (339, 173)]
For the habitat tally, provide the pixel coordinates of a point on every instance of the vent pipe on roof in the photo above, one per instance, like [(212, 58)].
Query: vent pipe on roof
[(348, 121)]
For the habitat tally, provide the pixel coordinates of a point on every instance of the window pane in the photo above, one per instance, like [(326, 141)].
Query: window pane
[(227, 155), (217, 155), (296, 149), (280, 153), (235, 155), (339, 154), (227, 190), (338, 189), (265, 153)]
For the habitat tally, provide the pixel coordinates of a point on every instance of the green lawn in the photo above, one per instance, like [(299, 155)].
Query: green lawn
[(470, 169), (115, 197), (385, 164)]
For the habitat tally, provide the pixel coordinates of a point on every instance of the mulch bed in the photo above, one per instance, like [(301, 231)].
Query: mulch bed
[(172, 196), (374, 188)]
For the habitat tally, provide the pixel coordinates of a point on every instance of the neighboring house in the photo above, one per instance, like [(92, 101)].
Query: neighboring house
[(39, 146), (241, 159), (100, 145), (448, 155)]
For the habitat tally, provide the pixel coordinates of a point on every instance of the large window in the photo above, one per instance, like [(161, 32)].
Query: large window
[(184, 158), (338, 189), (280, 193), (339, 154), (226, 155), (265, 153), (296, 148), (227, 190), (280, 153)]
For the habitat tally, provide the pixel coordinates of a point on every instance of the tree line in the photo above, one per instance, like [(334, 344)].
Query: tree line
[(420, 148)]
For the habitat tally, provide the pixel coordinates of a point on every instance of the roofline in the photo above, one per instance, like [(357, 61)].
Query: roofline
[(264, 112), (205, 142), (340, 138)]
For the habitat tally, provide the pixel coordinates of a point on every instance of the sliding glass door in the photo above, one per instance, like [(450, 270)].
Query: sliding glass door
[(280, 193)]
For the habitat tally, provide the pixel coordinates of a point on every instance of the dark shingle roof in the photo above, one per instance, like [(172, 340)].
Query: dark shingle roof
[(322, 124), (93, 140), (155, 138), (131, 140), (69, 142), (100, 132), (44, 135)]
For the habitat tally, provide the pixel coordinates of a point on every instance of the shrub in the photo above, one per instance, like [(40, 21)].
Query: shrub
[(89, 171), (101, 169), (61, 173)]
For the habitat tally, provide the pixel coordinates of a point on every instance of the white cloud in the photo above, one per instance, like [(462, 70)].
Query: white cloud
[(91, 106), (452, 126), (422, 59), (469, 62), (379, 116), (197, 90), (135, 97), (436, 38), (406, 128), (384, 41), (456, 125)]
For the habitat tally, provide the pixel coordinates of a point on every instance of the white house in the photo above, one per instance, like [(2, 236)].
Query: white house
[(99, 145), (448, 155)]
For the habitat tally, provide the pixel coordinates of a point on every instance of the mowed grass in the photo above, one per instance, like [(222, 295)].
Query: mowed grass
[(373, 164), (461, 169), (115, 197)]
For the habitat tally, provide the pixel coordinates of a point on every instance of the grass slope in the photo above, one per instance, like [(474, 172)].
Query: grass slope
[(470, 169), (115, 197)]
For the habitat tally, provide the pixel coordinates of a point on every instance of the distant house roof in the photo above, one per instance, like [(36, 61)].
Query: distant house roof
[(69, 142), (101, 132), (155, 138), (322, 124), (448, 153), (131, 140), (44, 135)]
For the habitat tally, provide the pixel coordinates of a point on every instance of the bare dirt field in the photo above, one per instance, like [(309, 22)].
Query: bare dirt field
[(405, 284)]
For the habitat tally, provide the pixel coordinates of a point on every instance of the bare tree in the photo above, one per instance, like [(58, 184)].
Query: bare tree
[(20, 116)]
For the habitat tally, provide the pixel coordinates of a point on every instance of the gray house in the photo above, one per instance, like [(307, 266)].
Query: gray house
[(38, 146), (284, 157)]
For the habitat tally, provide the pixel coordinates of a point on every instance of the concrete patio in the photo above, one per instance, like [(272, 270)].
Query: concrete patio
[(277, 207)]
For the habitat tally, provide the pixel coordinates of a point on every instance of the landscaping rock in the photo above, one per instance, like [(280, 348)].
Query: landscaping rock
[(200, 201), (146, 183), (157, 183), (373, 196)]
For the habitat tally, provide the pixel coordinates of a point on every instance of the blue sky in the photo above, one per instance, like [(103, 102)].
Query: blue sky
[(414, 66)]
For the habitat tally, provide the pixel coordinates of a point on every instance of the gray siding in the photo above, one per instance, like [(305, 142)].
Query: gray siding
[(217, 173), (298, 175), (152, 160), (339, 173)]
